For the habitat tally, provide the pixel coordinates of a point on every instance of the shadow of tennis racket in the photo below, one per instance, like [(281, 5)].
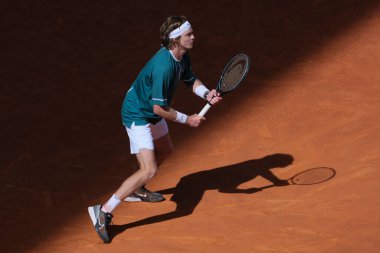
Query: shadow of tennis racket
[(312, 176)]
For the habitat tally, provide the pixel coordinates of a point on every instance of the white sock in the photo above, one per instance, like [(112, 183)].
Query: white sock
[(111, 204)]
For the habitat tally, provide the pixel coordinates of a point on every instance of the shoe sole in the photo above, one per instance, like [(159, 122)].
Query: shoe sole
[(132, 199), (91, 212)]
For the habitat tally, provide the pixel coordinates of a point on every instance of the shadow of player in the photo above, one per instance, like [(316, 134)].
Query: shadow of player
[(190, 189)]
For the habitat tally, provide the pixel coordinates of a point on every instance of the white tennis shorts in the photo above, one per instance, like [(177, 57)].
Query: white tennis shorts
[(143, 136)]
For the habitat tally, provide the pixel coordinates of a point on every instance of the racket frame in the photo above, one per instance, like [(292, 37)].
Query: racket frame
[(208, 105)]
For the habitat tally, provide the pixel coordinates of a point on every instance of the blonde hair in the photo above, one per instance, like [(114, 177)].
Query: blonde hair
[(171, 23)]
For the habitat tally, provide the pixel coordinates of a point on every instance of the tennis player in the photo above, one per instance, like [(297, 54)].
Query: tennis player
[(145, 110)]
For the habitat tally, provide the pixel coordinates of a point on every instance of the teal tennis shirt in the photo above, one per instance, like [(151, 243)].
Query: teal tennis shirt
[(155, 85)]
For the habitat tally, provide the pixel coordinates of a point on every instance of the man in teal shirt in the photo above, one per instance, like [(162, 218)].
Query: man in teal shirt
[(145, 110), (155, 85)]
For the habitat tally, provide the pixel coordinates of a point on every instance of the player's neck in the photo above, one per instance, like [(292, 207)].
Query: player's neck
[(177, 52)]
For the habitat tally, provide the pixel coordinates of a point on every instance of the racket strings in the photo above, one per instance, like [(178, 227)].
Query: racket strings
[(234, 73)]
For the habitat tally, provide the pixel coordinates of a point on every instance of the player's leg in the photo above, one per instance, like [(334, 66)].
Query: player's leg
[(101, 215), (163, 145), (163, 148), (142, 145), (147, 170)]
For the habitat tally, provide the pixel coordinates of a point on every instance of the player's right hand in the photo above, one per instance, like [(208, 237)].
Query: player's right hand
[(213, 97), (194, 120)]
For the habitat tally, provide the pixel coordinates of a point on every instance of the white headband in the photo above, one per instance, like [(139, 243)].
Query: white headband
[(180, 30)]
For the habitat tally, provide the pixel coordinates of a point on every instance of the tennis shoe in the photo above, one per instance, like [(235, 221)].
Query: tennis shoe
[(101, 221), (144, 195)]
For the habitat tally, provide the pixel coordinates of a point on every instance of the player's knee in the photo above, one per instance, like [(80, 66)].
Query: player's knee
[(149, 173)]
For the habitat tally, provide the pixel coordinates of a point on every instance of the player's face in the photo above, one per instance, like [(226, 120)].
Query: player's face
[(187, 39)]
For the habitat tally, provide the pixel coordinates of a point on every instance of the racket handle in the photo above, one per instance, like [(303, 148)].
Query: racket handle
[(204, 110)]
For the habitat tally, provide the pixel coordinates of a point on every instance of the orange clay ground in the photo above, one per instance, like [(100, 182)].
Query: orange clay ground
[(311, 99)]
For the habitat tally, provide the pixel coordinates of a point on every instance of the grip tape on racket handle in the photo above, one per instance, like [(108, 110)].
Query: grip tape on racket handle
[(204, 110)]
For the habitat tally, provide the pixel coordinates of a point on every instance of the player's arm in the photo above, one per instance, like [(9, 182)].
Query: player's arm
[(201, 90), (169, 113)]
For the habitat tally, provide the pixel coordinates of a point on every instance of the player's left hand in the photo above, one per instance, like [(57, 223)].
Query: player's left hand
[(213, 97)]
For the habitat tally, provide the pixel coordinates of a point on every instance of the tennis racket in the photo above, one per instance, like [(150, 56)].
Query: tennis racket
[(312, 176), (232, 76)]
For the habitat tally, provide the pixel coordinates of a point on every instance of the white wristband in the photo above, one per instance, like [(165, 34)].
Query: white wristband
[(201, 91), (181, 118)]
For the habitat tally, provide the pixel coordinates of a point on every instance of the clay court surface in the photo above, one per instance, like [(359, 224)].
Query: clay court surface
[(311, 99)]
